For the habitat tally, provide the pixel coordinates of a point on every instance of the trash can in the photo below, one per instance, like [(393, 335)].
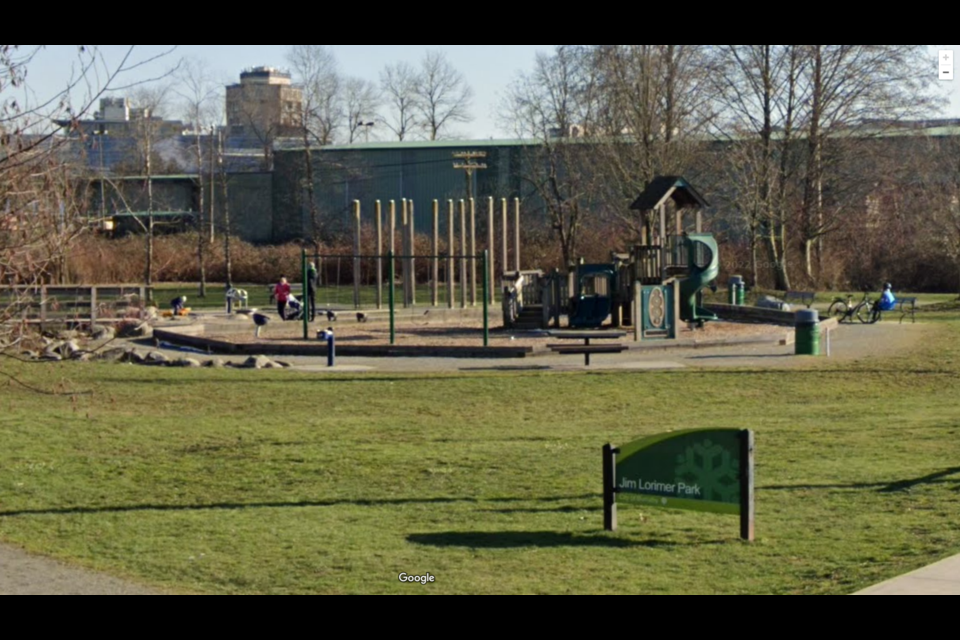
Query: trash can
[(737, 297), (808, 333)]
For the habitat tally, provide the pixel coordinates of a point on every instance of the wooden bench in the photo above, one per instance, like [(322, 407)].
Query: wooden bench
[(803, 297), (908, 307), (586, 349)]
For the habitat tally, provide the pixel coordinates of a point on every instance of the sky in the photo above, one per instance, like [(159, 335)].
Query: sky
[(489, 69)]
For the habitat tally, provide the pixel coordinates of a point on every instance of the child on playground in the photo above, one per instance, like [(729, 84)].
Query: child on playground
[(178, 305)]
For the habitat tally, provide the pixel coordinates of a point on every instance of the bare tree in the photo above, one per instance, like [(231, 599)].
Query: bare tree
[(543, 105), (654, 109), (361, 101), (321, 113), (41, 210), (200, 96), (401, 100), (443, 97)]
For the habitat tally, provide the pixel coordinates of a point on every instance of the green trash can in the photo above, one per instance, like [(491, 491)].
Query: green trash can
[(736, 291), (742, 295), (808, 333)]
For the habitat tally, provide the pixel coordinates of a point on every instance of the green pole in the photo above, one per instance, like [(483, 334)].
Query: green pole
[(392, 276), (486, 298), (304, 302)]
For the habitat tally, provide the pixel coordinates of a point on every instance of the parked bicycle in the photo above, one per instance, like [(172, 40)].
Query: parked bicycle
[(866, 311)]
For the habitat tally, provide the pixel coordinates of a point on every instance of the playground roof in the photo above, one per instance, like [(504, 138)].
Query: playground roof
[(664, 187)]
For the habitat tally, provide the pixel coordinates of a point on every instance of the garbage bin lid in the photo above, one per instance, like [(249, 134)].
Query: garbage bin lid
[(807, 316)]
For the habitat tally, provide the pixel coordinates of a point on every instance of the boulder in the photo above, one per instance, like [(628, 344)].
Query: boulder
[(258, 362), (83, 357), (112, 355), (274, 365), (51, 356), (29, 355), (155, 357), (101, 332), (186, 363), (769, 302), (69, 348), (216, 363)]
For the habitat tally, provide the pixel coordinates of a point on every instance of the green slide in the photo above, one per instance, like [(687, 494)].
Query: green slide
[(704, 260)]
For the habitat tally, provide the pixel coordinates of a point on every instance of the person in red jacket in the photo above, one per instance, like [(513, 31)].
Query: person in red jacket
[(282, 293)]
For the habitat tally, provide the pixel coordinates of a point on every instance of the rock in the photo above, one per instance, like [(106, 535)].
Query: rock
[(68, 335), (769, 302), (83, 357), (69, 348), (112, 355), (274, 365), (29, 355), (216, 363), (285, 365), (186, 363), (133, 357), (51, 357), (155, 357), (258, 362), (150, 313), (100, 332)]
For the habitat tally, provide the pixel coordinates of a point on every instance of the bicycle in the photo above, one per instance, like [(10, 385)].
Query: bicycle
[(866, 311)]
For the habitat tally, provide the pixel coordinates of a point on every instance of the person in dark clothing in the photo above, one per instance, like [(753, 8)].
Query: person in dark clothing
[(312, 277), (178, 304)]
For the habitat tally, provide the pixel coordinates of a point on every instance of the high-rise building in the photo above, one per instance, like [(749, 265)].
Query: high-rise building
[(263, 107)]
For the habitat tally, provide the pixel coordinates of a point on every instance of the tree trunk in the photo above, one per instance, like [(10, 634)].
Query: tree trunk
[(311, 196), (201, 240)]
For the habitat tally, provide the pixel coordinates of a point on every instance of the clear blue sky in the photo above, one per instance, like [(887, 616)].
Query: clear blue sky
[(488, 68)]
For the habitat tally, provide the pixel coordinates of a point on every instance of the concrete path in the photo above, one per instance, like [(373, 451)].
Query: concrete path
[(25, 575), (942, 579)]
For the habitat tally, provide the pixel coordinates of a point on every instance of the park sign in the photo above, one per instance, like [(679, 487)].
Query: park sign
[(708, 470)]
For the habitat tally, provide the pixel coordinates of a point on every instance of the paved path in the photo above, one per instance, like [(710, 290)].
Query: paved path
[(25, 575), (942, 579)]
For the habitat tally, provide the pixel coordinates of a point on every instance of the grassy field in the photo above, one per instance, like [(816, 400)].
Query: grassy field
[(278, 482)]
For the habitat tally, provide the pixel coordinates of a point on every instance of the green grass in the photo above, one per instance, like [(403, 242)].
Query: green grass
[(278, 482)]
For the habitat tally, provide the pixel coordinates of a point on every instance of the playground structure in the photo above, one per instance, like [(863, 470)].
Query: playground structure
[(453, 273), (653, 287)]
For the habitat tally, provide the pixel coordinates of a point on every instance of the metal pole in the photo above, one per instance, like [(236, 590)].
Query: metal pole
[(486, 299), (356, 257), (473, 252), (378, 210), (463, 254), (609, 488), (413, 254), (305, 301), (516, 224), (393, 231), (504, 255), (451, 252), (435, 293), (747, 504), (392, 277), (491, 244), (405, 258)]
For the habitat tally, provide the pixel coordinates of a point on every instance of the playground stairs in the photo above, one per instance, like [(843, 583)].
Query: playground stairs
[(531, 319)]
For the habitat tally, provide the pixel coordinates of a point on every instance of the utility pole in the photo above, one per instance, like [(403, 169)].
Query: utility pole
[(469, 164)]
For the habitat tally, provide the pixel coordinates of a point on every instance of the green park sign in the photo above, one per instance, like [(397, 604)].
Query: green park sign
[(708, 470)]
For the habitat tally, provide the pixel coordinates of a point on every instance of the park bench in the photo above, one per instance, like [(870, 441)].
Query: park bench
[(908, 307), (806, 298), (586, 349)]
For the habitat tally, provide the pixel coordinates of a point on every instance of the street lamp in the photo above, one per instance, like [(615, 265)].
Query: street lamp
[(101, 132), (366, 129)]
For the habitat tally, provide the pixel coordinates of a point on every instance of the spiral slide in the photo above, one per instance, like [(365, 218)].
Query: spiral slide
[(704, 260)]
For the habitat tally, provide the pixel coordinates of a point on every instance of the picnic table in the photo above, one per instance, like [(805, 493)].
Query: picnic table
[(586, 349)]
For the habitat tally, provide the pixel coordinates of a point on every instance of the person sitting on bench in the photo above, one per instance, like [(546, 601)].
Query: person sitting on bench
[(887, 301)]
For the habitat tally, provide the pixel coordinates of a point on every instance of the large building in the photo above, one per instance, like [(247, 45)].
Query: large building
[(264, 106)]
